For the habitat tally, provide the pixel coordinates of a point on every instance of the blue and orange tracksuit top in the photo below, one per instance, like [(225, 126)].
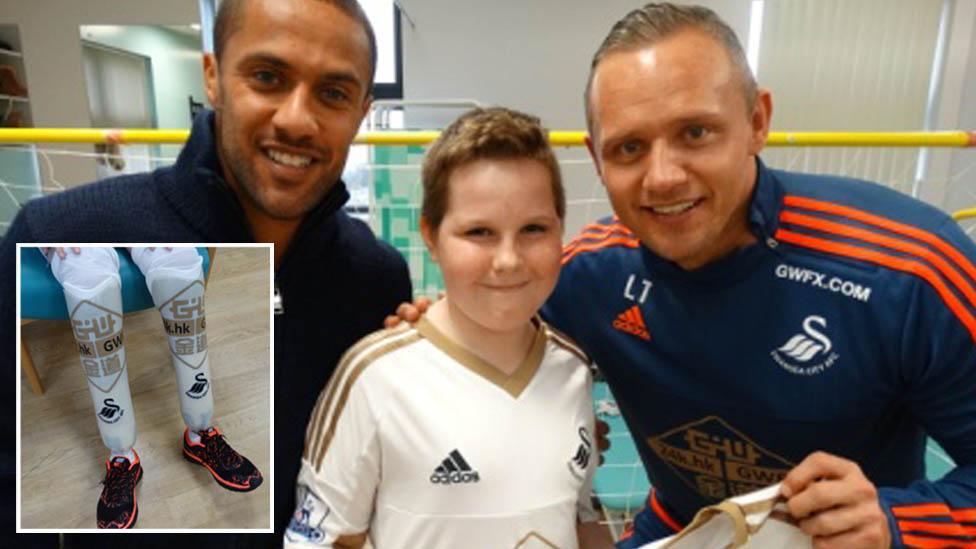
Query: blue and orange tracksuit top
[(848, 327)]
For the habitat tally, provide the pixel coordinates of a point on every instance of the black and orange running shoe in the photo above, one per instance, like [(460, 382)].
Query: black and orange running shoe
[(117, 506), (230, 469)]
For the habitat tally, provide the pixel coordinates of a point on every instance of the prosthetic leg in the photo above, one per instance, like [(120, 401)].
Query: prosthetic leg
[(175, 280), (92, 291)]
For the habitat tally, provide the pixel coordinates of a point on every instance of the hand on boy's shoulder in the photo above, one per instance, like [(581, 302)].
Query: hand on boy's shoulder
[(408, 312)]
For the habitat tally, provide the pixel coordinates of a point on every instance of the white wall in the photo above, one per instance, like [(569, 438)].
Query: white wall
[(528, 54), (534, 55), (957, 110), (51, 44), (531, 55)]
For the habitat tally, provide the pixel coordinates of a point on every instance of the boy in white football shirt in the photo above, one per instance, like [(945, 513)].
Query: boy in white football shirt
[(473, 427)]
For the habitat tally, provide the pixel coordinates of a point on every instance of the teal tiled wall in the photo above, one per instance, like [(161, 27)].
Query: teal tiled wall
[(396, 212)]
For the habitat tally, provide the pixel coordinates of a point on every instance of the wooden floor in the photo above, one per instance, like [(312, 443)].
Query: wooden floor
[(62, 456)]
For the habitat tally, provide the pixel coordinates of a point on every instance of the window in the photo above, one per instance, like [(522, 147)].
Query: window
[(384, 15)]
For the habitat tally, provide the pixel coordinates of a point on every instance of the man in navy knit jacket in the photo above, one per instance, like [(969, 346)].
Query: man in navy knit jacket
[(290, 82)]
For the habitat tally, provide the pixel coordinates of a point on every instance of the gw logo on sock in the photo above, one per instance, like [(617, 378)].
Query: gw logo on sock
[(187, 308)]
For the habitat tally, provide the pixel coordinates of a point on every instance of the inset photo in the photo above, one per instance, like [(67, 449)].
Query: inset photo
[(145, 399)]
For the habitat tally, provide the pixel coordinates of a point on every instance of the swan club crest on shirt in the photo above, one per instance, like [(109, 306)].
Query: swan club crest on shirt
[(809, 352)]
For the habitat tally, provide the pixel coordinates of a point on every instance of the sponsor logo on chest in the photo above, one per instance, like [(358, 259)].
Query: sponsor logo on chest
[(717, 461), (823, 281)]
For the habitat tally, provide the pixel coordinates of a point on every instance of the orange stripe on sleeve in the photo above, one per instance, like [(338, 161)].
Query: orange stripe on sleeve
[(894, 243), (905, 265), (884, 223), (943, 528), (628, 242), (935, 543), (934, 510), (920, 510), (597, 231), (661, 513)]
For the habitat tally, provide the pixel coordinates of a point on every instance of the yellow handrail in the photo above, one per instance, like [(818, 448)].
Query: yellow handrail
[(968, 213), (557, 138)]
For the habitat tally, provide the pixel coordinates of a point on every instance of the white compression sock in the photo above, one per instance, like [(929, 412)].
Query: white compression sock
[(96, 321), (175, 280)]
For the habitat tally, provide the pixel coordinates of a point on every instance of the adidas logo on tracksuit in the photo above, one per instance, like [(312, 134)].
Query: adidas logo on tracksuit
[(454, 470), (631, 321)]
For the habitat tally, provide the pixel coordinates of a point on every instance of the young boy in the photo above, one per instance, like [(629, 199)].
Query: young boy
[(473, 427)]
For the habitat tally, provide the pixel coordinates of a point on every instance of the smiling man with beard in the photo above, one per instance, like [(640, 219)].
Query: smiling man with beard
[(290, 82)]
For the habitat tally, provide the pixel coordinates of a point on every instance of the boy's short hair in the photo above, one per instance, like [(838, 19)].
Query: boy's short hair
[(493, 133)]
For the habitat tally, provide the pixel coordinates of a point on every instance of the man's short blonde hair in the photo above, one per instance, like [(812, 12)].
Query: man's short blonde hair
[(655, 22), (494, 133)]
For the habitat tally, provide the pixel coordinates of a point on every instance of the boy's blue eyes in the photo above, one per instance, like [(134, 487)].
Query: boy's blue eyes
[(484, 231), (697, 132)]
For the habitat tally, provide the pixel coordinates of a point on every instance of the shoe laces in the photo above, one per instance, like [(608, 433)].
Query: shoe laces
[(118, 480), (218, 450)]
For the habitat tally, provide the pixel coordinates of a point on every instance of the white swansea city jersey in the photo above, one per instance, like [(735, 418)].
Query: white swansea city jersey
[(423, 444)]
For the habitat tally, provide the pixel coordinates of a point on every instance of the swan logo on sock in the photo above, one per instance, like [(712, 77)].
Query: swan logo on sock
[(808, 353), (110, 412), (200, 388)]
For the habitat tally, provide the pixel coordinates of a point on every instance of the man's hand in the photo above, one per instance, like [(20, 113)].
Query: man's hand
[(835, 503), (408, 312)]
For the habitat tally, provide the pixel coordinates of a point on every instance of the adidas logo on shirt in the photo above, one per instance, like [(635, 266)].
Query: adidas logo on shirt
[(454, 470), (631, 321)]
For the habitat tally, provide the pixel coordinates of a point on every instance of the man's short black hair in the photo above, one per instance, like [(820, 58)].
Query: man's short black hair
[(231, 13)]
